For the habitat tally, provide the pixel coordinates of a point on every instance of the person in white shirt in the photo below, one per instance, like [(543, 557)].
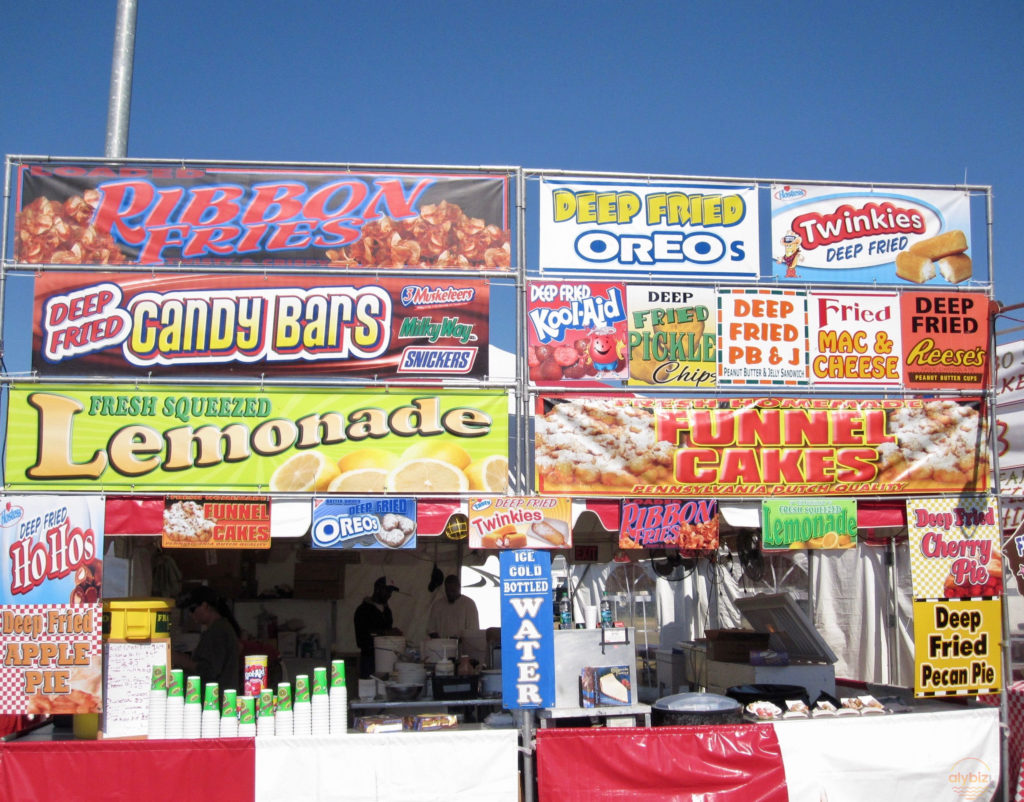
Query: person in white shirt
[(455, 615)]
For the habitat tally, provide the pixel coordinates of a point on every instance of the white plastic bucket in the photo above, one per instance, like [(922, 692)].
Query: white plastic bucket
[(386, 649), (436, 650)]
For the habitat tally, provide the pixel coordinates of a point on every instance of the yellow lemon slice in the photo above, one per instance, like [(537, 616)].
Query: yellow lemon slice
[(304, 472), (445, 451), (427, 476), (360, 480), (830, 540), (368, 458), (489, 473)]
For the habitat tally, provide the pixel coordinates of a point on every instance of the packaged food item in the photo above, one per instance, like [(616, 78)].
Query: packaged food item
[(379, 724), (823, 708), (431, 721), (796, 708)]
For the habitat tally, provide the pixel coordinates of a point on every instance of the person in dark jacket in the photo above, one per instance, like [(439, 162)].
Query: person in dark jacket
[(373, 617), (216, 657)]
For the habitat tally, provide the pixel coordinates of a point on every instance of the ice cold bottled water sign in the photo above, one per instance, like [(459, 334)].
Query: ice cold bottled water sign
[(527, 640)]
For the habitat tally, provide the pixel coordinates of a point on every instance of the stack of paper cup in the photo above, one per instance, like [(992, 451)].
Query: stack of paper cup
[(303, 718), (174, 717), (157, 701), (192, 722), (247, 716), (321, 704), (229, 714), (265, 714), (284, 718), (211, 711), (339, 698)]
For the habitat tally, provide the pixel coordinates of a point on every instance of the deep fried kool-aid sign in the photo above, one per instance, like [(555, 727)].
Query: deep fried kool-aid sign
[(527, 630), (167, 215), (51, 579)]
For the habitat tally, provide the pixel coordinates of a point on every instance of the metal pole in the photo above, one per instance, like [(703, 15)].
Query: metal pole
[(120, 103)]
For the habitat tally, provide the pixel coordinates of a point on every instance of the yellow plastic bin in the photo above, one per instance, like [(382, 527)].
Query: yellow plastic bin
[(137, 619)]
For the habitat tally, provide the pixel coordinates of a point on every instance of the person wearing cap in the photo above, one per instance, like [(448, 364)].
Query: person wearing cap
[(216, 657), (372, 618)]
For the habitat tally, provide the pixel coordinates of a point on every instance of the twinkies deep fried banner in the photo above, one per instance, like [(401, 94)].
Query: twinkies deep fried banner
[(208, 215), (281, 439), (105, 323), (744, 447)]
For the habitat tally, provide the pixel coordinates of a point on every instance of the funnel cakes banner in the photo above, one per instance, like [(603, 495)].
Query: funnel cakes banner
[(223, 215), (96, 323), (744, 447)]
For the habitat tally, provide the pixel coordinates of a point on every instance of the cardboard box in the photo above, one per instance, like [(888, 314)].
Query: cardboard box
[(734, 645), (605, 686)]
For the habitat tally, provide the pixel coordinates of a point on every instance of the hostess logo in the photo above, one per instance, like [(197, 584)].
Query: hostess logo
[(415, 295), (789, 193), (10, 515)]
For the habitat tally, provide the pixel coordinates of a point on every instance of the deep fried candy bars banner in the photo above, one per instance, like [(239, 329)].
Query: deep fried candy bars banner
[(166, 215), (126, 323), (751, 447)]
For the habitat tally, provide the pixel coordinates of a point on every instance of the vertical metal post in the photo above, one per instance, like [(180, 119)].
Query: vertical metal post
[(120, 103)]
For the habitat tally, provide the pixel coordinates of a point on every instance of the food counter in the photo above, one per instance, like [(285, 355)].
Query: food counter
[(473, 764), (929, 755)]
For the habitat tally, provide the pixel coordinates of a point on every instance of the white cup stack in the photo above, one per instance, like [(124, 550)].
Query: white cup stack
[(265, 715), (210, 724), (284, 718), (303, 709), (320, 703), (338, 698), (192, 726), (174, 713), (158, 702), (247, 716), (229, 714)]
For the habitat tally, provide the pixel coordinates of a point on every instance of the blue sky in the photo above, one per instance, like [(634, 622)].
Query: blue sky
[(874, 91)]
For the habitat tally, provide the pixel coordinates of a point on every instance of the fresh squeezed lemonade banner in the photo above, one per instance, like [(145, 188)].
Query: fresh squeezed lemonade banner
[(227, 215), (659, 228), (117, 324), (742, 447), (281, 439), (795, 523), (520, 522), (833, 234)]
